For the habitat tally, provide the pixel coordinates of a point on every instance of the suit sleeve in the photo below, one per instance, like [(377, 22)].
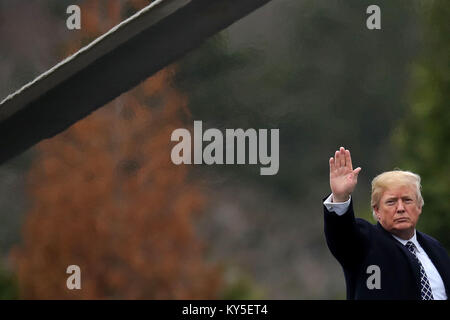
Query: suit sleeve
[(347, 237)]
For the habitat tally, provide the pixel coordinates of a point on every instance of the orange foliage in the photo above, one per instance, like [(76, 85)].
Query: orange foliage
[(106, 197)]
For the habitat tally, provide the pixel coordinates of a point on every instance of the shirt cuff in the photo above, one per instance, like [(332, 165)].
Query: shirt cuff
[(338, 207)]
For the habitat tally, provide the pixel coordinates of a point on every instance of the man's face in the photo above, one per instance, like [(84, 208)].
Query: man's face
[(398, 211)]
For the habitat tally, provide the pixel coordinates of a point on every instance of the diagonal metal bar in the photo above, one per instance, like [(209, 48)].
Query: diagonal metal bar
[(111, 65)]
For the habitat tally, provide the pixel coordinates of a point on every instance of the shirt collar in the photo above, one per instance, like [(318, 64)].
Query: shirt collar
[(413, 240)]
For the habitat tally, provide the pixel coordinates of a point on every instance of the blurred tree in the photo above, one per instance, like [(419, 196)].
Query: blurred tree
[(240, 286), (313, 70), (8, 285), (106, 197), (423, 140)]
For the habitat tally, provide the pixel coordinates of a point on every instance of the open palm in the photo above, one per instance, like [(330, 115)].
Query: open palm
[(343, 178)]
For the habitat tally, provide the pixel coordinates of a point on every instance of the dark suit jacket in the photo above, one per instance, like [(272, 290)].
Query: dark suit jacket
[(357, 244)]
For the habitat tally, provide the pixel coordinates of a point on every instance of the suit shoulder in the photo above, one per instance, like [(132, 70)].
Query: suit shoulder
[(431, 240), (364, 224)]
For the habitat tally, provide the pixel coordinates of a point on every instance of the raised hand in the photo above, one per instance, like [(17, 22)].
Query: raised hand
[(343, 178)]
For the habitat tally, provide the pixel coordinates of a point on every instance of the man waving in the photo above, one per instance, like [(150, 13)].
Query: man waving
[(389, 260)]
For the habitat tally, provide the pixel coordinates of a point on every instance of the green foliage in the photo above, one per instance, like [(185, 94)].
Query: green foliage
[(8, 285), (241, 287), (423, 139)]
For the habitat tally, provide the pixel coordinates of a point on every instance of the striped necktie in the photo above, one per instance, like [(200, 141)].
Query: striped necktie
[(425, 288)]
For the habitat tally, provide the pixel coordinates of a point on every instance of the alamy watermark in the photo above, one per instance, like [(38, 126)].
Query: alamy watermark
[(73, 22), (374, 280), (235, 147), (373, 22), (74, 280)]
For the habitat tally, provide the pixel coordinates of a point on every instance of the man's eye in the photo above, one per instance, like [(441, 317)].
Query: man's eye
[(390, 202), (408, 200)]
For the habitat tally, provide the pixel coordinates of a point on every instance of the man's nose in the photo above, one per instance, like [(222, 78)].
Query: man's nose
[(400, 206)]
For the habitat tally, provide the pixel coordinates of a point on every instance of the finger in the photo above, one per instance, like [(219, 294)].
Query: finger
[(342, 156), (348, 159), (332, 166), (356, 172), (337, 160)]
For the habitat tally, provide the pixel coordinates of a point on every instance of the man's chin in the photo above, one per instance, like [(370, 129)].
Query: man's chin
[(403, 230)]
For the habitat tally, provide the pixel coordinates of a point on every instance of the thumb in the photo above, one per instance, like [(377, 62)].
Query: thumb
[(356, 172)]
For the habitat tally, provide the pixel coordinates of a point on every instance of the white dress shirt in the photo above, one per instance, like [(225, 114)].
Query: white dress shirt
[(436, 283)]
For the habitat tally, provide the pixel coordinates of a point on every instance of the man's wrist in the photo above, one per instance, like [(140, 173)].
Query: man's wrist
[(340, 198), (338, 207)]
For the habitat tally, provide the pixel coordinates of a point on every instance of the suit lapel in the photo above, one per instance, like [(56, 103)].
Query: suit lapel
[(412, 262)]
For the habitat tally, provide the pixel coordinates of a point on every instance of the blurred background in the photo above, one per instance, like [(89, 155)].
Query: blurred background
[(104, 194)]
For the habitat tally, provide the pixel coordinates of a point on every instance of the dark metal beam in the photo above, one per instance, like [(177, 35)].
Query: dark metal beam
[(111, 65)]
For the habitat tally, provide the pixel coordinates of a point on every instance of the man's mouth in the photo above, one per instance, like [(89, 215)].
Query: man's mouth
[(401, 220)]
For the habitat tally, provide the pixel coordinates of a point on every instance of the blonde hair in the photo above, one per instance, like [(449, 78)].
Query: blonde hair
[(395, 178)]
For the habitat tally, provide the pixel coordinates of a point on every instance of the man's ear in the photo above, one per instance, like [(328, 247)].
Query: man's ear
[(377, 212)]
